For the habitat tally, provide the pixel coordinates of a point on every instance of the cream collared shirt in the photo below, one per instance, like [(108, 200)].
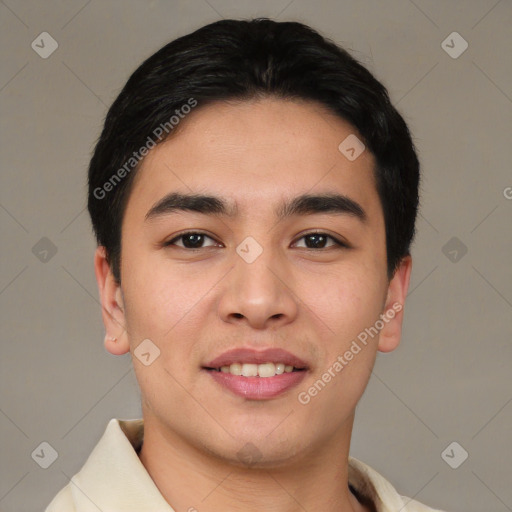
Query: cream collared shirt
[(114, 480)]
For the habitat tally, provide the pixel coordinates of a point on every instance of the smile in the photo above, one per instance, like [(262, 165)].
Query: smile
[(257, 370), (257, 374)]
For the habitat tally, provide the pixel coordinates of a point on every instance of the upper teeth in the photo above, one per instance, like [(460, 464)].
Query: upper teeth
[(255, 370)]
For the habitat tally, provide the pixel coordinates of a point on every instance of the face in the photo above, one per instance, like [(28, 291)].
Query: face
[(242, 271)]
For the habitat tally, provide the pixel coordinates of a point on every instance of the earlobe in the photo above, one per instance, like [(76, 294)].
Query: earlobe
[(115, 346), (112, 305), (393, 313)]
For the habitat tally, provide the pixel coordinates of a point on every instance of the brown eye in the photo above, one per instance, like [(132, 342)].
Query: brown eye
[(190, 240), (318, 240)]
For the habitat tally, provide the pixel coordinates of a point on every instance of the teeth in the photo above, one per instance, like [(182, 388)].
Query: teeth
[(235, 369), (257, 370), (267, 370), (250, 370)]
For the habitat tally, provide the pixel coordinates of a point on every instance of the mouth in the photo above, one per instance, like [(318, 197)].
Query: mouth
[(257, 375), (265, 370)]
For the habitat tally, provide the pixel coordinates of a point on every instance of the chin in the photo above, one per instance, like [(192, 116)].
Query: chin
[(258, 451)]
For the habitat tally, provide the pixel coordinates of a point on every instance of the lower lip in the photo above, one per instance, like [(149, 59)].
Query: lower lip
[(258, 388)]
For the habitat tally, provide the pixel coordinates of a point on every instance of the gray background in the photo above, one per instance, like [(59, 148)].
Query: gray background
[(450, 378)]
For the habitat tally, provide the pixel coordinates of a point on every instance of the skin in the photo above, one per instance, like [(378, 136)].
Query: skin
[(195, 305)]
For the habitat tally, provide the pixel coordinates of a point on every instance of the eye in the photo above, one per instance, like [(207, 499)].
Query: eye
[(191, 240), (195, 240), (318, 240)]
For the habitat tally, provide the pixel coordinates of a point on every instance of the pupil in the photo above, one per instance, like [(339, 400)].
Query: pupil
[(317, 238), (196, 240)]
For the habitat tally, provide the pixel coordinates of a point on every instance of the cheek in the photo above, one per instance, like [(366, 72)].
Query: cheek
[(346, 299), (160, 294), (163, 306), (347, 303)]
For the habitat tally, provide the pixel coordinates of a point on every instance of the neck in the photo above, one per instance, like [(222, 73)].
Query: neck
[(191, 479)]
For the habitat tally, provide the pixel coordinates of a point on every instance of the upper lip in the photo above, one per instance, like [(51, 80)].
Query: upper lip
[(251, 356)]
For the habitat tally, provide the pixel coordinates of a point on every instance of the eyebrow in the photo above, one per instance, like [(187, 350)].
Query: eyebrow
[(306, 204)]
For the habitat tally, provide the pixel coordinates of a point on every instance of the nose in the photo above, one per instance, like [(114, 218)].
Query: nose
[(259, 294)]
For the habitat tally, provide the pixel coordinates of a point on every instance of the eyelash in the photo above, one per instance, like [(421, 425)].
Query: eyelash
[(337, 242)]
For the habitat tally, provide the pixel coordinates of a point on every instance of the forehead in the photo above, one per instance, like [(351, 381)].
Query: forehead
[(255, 153)]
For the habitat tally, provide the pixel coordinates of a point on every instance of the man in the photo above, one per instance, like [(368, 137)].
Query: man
[(254, 195)]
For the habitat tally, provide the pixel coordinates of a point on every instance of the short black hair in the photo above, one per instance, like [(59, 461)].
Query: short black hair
[(247, 59)]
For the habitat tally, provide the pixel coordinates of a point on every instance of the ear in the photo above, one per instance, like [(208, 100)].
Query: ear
[(112, 307), (390, 335)]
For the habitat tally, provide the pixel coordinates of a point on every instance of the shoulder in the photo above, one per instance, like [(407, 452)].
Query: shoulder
[(62, 501), (380, 492)]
